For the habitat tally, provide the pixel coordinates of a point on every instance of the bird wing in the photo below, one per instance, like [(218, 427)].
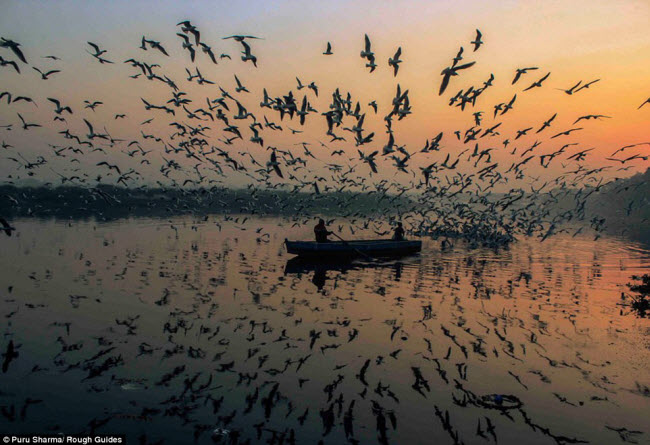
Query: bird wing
[(467, 65), (90, 127), (445, 82), (94, 46), (160, 48)]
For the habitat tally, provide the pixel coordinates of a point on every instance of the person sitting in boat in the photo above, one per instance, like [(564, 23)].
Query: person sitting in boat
[(398, 234), (321, 232)]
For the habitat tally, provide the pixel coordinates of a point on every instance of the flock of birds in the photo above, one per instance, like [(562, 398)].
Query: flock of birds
[(455, 192), (269, 353)]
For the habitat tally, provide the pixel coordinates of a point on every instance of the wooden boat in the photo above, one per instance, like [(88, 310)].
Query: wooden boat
[(357, 248)]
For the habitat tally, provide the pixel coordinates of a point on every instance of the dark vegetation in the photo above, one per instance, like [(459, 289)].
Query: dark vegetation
[(106, 202), (640, 300), (625, 205)]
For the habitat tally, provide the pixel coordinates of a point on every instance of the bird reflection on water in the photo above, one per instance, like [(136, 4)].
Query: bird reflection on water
[(164, 333)]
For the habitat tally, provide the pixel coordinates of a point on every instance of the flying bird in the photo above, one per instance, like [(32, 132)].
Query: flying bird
[(538, 83), (520, 72), (587, 85), (46, 75), (188, 45), (366, 52), (207, 50), (59, 109), (571, 90), (98, 53), (4, 62), (477, 42), (448, 72), (242, 38), (13, 46), (395, 61), (26, 126), (187, 27)]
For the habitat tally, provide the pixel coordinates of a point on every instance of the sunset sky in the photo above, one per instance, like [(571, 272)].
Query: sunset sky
[(578, 40)]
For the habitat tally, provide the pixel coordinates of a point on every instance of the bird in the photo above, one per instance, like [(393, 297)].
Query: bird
[(92, 105), (98, 53), (521, 71), (273, 163), (110, 166), (570, 91), (7, 94), (312, 86), (154, 45), (188, 45), (448, 72), (395, 61), (538, 83), (4, 62), (300, 85), (366, 52), (240, 87), (187, 27), (547, 123), (13, 46), (91, 132), (565, 133), (6, 227), (59, 109), (45, 76), (587, 85), (591, 116), (27, 126), (247, 55), (647, 101), (9, 355), (207, 50), (24, 99), (477, 42), (240, 38)]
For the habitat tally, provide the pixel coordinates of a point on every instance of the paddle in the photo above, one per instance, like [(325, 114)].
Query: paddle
[(355, 249)]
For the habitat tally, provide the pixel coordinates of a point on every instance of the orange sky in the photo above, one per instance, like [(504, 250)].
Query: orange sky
[(583, 40)]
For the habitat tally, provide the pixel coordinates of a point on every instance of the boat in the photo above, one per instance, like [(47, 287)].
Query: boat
[(350, 249), (303, 265)]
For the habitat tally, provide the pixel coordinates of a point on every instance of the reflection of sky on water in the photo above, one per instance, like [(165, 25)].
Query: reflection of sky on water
[(545, 314)]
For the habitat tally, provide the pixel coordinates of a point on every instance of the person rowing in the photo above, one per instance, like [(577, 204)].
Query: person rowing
[(398, 233), (321, 232)]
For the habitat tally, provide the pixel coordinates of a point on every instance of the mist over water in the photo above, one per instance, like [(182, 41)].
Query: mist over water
[(172, 328)]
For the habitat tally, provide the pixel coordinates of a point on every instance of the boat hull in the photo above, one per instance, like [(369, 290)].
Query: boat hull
[(348, 249)]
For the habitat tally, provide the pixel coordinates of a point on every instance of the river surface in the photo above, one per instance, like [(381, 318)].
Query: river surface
[(192, 330)]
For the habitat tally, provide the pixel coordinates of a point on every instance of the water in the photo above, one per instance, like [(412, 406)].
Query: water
[(103, 313)]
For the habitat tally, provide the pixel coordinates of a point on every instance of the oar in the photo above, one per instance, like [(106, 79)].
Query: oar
[(355, 249)]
